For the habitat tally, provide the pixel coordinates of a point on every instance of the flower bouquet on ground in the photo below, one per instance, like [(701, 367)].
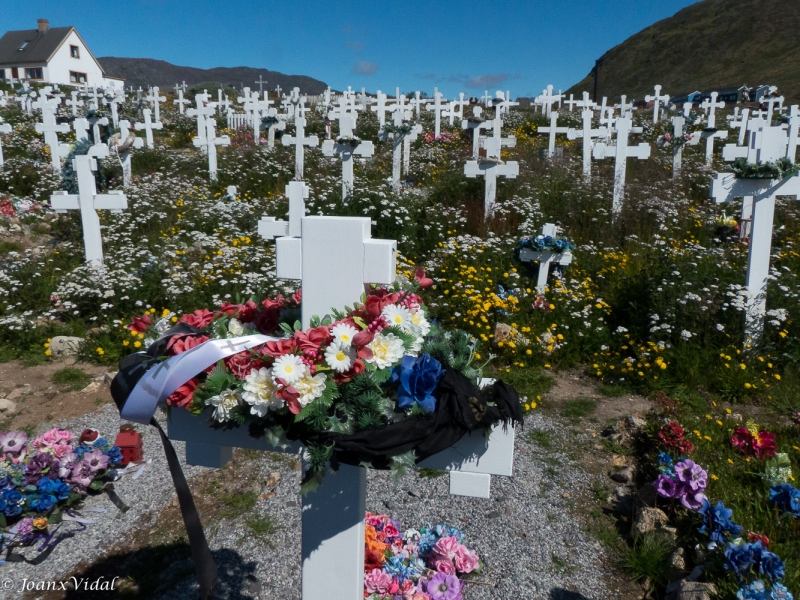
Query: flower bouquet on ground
[(375, 384), (44, 480), (425, 564)]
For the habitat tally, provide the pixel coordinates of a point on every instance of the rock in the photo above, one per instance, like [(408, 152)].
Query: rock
[(274, 479), (62, 346), (618, 460), (494, 514), (734, 417), (648, 519), (19, 392), (677, 563), (7, 406), (635, 422), (109, 377), (690, 590), (502, 332), (91, 388), (623, 475), (389, 504), (414, 493)]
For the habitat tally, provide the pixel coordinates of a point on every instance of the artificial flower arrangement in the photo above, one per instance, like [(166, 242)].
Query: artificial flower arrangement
[(376, 384), (425, 564), (404, 128), (780, 169), (43, 479), (443, 138), (686, 481), (544, 242)]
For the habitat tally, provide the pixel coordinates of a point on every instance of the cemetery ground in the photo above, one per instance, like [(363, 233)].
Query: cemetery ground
[(651, 308)]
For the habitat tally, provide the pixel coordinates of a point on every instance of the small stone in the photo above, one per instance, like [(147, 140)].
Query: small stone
[(62, 346), (495, 514), (253, 587), (502, 332), (291, 504), (109, 377), (648, 519), (273, 479), (734, 417), (389, 504), (566, 495), (91, 388), (266, 496), (622, 476), (20, 392), (634, 422), (8, 406), (414, 493), (677, 563), (693, 590)]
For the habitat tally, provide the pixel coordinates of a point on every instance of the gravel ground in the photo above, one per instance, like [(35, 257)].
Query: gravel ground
[(526, 533)]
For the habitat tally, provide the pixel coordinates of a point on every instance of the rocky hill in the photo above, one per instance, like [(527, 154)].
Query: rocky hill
[(148, 71), (714, 43)]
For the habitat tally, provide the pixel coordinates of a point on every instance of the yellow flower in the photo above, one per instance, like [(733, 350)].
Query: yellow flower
[(730, 461), (718, 422), (47, 352), (528, 351), (40, 523), (747, 385), (742, 366), (125, 342), (714, 477), (137, 344), (174, 319), (547, 366), (728, 410), (705, 437), (100, 351)]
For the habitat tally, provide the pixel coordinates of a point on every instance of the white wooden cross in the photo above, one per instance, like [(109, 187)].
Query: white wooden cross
[(398, 119), (547, 99), (491, 169), (586, 102), (794, 133), (657, 99), (381, 108), (487, 99), (587, 134), (125, 155), (181, 102), (201, 112), (416, 102), (711, 105), (156, 101), (678, 133), (260, 83), (81, 127), (74, 102), (739, 122), (771, 102), (625, 108), (276, 124), (88, 201), (437, 107), (571, 103), (504, 105), (457, 108), (347, 150), (24, 97), (3, 99), (269, 228), (148, 126), (50, 129), (260, 109), (334, 258), (767, 144), (553, 129), (210, 141), (299, 139), (5, 128), (545, 257), (493, 145), (476, 124), (621, 152)]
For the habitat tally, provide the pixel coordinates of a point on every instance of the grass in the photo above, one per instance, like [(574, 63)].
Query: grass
[(426, 473), (613, 391), (72, 377), (542, 438), (648, 558), (578, 408), (561, 564), (237, 503), (262, 526)]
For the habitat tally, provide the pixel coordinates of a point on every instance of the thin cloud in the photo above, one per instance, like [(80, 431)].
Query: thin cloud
[(346, 28), (364, 67), (427, 76), (488, 80), (355, 46)]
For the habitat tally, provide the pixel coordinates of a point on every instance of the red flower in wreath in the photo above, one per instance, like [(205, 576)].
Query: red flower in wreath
[(140, 324), (183, 396), (199, 318), (181, 343)]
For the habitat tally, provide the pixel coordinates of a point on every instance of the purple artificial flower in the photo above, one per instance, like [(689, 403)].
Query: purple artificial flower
[(691, 475), (25, 527), (666, 486), (692, 500), (82, 475), (444, 587), (13, 441), (96, 460), (65, 465), (37, 466)]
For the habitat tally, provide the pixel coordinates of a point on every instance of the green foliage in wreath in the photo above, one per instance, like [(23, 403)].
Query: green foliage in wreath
[(780, 169)]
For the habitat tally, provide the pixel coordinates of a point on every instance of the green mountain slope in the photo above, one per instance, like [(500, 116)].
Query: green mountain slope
[(714, 43)]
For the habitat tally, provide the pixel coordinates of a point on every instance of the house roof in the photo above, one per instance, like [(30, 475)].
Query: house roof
[(39, 48)]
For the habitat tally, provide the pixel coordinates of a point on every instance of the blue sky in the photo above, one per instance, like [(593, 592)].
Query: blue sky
[(456, 45)]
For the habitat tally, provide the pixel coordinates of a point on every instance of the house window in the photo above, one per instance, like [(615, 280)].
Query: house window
[(74, 52), (33, 73), (2, 73), (75, 77)]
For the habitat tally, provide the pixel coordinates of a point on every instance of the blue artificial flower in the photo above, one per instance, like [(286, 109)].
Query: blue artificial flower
[(717, 522), (664, 459), (740, 558), (100, 442), (754, 591), (46, 486), (779, 592), (418, 378), (786, 497), (61, 489), (114, 455), (426, 544), (771, 566), (14, 502), (396, 567), (560, 244), (81, 450), (447, 531), (42, 502)]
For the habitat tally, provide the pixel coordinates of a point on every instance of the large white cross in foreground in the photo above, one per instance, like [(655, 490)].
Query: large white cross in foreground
[(335, 257), (545, 257), (88, 201)]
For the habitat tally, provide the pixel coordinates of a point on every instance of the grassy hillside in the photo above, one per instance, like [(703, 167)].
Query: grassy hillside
[(714, 43)]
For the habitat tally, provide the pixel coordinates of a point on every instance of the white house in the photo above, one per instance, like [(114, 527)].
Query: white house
[(51, 55)]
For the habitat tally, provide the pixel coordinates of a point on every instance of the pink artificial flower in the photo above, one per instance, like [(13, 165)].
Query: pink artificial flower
[(466, 560), (52, 437), (61, 450), (443, 565), (140, 324), (446, 547), (390, 530), (375, 520), (377, 582)]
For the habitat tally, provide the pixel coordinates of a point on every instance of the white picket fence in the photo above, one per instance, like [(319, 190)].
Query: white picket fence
[(236, 120)]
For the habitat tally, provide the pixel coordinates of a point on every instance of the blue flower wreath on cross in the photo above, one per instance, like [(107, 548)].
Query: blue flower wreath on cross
[(543, 242)]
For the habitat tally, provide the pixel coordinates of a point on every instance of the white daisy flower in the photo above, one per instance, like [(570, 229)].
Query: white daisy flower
[(235, 327), (386, 350), (224, 403), (397, 316), (419, 324), (339, 357), (344, 334), (310, 388), (259, 392), (288, 367)]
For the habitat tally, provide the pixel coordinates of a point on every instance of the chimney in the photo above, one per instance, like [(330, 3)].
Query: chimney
[(42, 25)]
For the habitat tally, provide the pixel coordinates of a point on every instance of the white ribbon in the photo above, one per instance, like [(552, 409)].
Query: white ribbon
[(163, 379)]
